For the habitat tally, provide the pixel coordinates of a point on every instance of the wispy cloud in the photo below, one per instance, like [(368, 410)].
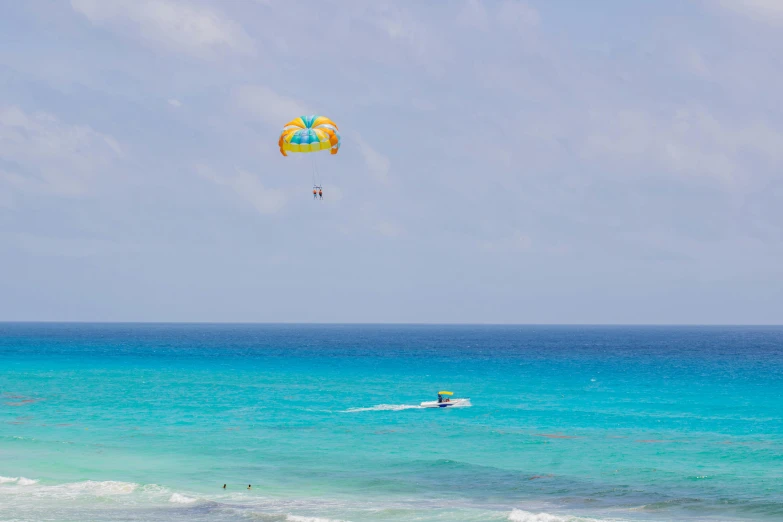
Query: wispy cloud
[(406, 31), (78, 247), (518, 14), (176, 26), (473, 14), (42, 153), (377, 164), (766, 11), (389, 229), (510, 13), (249, 188), (516, 242), (267, 105), (688, 140)]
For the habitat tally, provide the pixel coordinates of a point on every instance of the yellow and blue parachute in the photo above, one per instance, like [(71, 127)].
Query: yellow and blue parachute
[(309, 134)]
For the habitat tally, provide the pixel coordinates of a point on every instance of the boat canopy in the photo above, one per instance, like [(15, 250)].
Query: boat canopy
[(445, 393)]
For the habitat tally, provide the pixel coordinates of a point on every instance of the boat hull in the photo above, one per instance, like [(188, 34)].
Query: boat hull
[(446, 404)]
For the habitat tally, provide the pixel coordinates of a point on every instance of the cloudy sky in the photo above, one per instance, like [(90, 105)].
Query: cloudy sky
[(502, 161)]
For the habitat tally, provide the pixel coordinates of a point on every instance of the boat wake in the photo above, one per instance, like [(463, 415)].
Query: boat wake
[(386, 407), (459, 403)]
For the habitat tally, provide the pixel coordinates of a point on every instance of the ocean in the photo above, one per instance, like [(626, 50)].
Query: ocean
[(565, 423)]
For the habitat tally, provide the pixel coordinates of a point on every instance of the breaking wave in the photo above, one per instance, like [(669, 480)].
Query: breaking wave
[(519, 515), (73, 490), (17, 480), (176, 498), (295, 518)]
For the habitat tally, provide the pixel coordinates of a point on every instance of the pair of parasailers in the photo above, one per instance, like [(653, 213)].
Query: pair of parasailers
[(318, 192)]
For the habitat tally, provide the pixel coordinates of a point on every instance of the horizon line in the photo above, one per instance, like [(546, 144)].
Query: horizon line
[(370, 323)]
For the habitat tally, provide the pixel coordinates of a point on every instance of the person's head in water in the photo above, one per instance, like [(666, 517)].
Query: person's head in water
[(224, 486), (248, 486)]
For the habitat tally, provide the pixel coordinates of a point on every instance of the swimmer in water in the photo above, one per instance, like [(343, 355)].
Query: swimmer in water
[(248, 486), (224, 486)]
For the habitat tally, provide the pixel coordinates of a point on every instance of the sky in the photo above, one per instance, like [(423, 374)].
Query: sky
[(502, 161)]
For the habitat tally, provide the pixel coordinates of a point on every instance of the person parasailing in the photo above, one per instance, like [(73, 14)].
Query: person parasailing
[(310, 134)]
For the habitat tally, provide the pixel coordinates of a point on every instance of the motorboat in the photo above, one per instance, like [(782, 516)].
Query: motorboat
[(445, 402)]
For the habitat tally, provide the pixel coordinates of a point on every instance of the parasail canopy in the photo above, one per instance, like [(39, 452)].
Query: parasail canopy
[(309, 134)]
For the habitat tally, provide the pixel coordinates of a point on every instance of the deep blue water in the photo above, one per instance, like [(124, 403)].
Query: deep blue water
[(126, 422)]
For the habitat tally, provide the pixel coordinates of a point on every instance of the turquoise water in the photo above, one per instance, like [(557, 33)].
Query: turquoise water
[(139, 422)]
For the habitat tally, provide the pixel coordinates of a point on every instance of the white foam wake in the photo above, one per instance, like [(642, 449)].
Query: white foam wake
[(8, 480), (519, 515), (386, 407)]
